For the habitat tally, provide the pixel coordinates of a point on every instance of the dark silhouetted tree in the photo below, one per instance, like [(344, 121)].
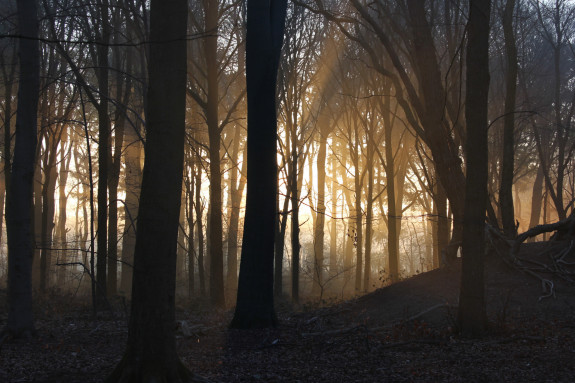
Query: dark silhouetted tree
[(265, 29), (19, 201), (151, 349), (472, 317)]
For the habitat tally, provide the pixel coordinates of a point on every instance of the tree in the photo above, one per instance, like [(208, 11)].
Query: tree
[(264, 38), (150, 354), (19, 201), (507, 166), (472, 317)]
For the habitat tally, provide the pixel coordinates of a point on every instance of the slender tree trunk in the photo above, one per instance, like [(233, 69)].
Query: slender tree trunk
[(279, 245), (234, 201), (358, 218), (132, 180), (190, 221), (392, 216), (65, 158), (37, 223), (333, 221), (368, 218), (472, 316), (295, 245), (536, 198), (48, 211), (103, 154), (318, 243), (443, 225), (507, 167), (217, 295), (199, 228), (20, 321)]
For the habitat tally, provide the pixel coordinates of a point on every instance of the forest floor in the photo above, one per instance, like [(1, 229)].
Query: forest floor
[(401, 333)]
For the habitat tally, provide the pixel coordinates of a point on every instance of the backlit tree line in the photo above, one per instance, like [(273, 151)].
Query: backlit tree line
[(371, 154)]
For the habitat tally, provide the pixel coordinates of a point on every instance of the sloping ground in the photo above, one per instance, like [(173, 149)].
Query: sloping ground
[(510, 293), (400, 333)]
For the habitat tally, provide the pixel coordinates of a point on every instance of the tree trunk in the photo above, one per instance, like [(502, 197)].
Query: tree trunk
[(392, 218), (235, 198), (507, 166), (103, 154), (279, 246), (318, 242), (368, 217), (132, 180), (7, 147), (472, 317), (61, 232), (217, 295), (333, 221), (437, 132), (190, 221), (199, 228), (295, 245), (151, 354), (265, 28), (536, 198), (358, 217), (20, 322), (48, 211)]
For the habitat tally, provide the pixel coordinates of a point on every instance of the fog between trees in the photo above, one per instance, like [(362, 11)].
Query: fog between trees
[(371, 115)]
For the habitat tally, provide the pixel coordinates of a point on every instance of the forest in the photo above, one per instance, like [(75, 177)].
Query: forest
[(272, 175)]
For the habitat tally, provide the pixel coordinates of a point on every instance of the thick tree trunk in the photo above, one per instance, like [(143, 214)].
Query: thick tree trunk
[(265, 29), (20, 322), (507, 166), (472, 317), (151, 354)]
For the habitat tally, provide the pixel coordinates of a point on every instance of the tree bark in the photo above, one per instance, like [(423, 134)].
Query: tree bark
[(536, 198), (319, 230), (507, 166), (265, 28), (151, 354), (472, 317), (295, 245), (199, 227), (132, 180), (19, 203), (103, 153), (235, 198), (217, 296)]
